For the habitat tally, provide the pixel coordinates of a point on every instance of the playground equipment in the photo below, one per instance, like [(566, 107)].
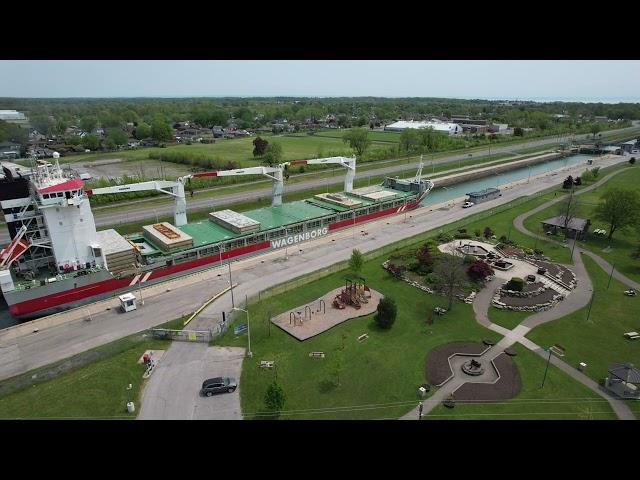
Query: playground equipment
[(355, 294)]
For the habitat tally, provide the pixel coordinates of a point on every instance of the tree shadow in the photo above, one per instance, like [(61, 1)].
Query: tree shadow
[(326, 386)]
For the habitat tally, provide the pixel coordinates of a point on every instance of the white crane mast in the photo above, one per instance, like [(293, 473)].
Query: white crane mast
[(348, 162)]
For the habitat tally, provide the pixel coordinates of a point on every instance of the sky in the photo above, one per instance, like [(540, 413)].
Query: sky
[(575, 80)]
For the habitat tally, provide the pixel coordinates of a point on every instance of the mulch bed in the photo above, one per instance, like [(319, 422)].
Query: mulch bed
[(507, 387), (544, 297), (438, 369)]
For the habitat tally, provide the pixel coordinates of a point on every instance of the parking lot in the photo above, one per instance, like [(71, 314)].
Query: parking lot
[(173, 391)]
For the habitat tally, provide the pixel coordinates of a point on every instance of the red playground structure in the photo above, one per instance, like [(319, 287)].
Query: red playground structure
[(355, 294)]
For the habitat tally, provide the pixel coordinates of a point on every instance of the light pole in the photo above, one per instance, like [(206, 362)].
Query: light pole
[(611, 275), (249, 353), (233, 304), (547, 367)]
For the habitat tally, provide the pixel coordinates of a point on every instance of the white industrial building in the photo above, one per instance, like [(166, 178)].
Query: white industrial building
[(442, 127), (12, 116)]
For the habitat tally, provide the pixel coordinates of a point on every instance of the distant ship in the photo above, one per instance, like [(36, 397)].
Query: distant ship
[(56, 259)]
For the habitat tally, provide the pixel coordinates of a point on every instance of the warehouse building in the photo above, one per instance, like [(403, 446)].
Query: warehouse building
[(442, 127), (13, 116)]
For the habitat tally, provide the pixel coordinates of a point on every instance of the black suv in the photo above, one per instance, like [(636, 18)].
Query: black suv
[(218, 385)]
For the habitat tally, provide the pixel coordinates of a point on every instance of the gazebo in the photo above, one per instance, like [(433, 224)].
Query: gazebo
[(623, 380)]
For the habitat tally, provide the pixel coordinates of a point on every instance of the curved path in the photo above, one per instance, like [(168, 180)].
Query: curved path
[(579, 298)]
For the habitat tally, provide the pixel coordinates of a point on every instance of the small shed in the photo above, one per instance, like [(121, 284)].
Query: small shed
[(483, 195), (623, 380), (576, 227), (128, 302)]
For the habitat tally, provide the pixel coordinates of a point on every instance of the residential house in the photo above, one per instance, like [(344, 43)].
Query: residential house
[(218, 131), (10, 150), (133, 143)]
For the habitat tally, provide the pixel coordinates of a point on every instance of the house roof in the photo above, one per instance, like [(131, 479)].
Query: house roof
[(574, 223), (625, 372)]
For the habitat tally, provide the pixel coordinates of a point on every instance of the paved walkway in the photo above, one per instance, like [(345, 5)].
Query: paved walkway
[(579, 298)]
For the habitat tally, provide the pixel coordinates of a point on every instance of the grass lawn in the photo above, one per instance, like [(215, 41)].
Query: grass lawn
[(239, 150), (507, 318), (382, 372), (599, 340), (623, 242), (98, 389), (562, 398)]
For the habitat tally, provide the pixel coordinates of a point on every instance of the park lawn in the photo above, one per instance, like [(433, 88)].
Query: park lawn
[(502, 224), (383, 372), (599, 340), (93, 384), (507, 318), (624, 241), (239, 150), (97, 390), (562, 397)]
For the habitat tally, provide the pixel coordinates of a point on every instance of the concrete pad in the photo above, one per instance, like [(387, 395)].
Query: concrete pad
[(304, 327)]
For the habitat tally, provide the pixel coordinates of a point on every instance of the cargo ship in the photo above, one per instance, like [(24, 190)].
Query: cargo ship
[(58, 260)]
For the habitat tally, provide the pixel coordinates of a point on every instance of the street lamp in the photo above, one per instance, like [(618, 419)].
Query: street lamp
[(547, 368), (233, 303), (249, 353)]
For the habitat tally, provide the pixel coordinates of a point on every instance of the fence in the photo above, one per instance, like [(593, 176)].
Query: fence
[(184, 335)]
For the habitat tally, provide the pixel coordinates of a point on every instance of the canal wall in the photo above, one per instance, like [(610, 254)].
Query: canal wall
[(493, 170)]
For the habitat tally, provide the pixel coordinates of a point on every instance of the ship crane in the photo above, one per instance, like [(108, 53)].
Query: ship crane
[(348, 162)]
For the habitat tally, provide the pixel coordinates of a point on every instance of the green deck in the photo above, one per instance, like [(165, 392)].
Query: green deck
[(206, 232)]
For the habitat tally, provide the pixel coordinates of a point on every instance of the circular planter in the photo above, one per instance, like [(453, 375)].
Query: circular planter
[(488, 342), (449, 403), (510, 352)]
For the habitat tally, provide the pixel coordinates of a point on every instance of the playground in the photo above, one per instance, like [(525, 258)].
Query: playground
[(353, 300)]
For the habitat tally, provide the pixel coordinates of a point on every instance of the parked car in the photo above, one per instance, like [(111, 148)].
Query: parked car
[(218, 385), (467, 204), (85, 176)]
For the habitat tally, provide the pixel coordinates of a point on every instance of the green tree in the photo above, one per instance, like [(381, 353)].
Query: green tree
[(143, 130), (358, 139), (356, 261), (273, 154), (336, 366), (274, 398), (160, 130), (386, 313), (450, 273), (117, 136), (409, 139), (91, 142), (88, 124), (619, 208), (595, 128), (259, 147)]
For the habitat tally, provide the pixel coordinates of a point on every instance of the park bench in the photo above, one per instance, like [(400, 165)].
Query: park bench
[(267, 363), (632, 335), (316, 355), (363, 337)]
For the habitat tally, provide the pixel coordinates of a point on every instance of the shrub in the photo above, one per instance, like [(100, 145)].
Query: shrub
[(462, 235), (431, 278), (477, 233), (595, 171), (469, 259), (274, 398), (487, 232), (479, 270), (444, 237), (503, 239), (577, 181), (424, 256), (462, 230), (387, 312), (396, 270), (413, 266), (568, 182), (516, 284), (537, 251), (632, 160)]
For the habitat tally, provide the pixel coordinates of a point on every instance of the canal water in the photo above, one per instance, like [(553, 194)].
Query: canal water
[(443, 194), (437, 195)]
